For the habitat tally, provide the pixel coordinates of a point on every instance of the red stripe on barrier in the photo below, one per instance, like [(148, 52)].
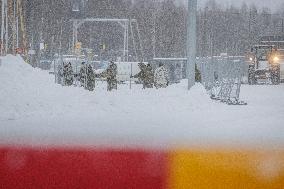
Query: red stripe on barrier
[(86, 169)]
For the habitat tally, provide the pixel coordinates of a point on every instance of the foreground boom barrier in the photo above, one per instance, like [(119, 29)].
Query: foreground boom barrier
[(60, 168)]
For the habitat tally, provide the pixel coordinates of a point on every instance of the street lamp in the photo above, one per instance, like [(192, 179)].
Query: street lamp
[(78, 7), (191, 42)]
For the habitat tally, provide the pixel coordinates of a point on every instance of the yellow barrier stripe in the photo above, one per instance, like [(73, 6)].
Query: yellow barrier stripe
[(218, 169)]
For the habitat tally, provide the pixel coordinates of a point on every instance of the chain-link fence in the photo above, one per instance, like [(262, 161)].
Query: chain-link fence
[(222, 76)]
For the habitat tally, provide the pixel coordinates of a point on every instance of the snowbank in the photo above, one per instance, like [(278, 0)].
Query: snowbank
[(34, 110), (28, 92)]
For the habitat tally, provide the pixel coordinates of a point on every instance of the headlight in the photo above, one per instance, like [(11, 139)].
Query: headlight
[(251, 59), (275, 59)]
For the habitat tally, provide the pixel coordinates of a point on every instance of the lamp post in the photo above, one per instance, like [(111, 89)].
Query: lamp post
[(191, 42), (4, 28)]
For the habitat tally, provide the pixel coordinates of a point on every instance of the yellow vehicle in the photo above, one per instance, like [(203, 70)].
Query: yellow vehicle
[(281, 62), (264, 65)]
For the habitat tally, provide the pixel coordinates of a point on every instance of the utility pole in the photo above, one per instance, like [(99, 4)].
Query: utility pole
[(282, 26), (17, 24), (154, 27), (249, 43), (12, 25), (191, 42), (4, 27)]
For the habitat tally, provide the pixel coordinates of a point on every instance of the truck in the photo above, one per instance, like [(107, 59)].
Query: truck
[(281, 62), (264, 65)]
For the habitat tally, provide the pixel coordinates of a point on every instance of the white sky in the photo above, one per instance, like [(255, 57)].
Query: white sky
[(273, 4)]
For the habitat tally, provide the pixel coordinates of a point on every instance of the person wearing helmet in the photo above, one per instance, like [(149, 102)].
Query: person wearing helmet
[(149, 76), (83, 74), (68, 74), (141, 75), (90, 78), (110, 74), (161, 78)]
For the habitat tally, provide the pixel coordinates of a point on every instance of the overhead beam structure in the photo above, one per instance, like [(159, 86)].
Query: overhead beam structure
[(124, 23)]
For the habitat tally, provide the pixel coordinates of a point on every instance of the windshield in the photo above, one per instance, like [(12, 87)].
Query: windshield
[(262, 52)]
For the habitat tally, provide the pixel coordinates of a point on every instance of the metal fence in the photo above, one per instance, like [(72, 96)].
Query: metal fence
[(222, 76)]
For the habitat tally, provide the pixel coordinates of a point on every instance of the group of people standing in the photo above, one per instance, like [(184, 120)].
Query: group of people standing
[(86, 76), (150, 78)]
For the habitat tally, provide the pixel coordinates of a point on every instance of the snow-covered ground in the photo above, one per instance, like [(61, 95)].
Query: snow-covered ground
[(35, 111)]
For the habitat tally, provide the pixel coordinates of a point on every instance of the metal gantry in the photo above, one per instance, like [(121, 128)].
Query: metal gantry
[(124, 23)]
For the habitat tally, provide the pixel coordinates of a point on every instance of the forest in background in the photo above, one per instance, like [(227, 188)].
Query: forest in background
[(162, 26)]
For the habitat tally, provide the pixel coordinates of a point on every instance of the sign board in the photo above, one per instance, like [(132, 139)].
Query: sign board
[(103, 46), (78, 45), (41, 46), (31, 52), (19, 50)]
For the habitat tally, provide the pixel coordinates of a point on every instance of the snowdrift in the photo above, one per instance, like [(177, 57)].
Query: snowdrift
[(28, 92)]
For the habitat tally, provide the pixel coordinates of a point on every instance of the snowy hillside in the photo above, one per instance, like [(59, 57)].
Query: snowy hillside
[(34, 110)]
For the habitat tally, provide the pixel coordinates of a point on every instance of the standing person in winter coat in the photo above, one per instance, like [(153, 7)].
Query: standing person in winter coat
[(59, 74), (64, 72), (90, 78), (197, 74), (142, 74), (161, 77), (83, 74), (110, 74), (177, 73), (68, 74), (149, 76)]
